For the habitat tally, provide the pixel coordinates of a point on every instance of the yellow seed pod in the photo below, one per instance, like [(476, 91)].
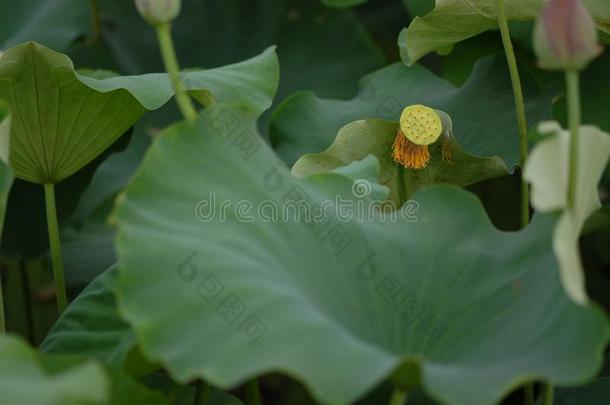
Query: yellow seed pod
[(420, 124)]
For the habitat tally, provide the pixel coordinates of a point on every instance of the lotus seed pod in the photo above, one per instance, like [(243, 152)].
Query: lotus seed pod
[(158, 12), (565, 36), (420, 124)]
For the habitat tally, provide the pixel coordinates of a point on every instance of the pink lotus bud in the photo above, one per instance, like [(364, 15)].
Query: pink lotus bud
[(158, 11), (565, 36)]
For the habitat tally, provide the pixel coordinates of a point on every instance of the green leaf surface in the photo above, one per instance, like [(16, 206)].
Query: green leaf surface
[(24, 380), (5, 131), (305, 123), (63, 120), (87, 252), (129, 45), (91, 326), (6, 181), (547, 170), (119, 390), (475, 310), (6, 176), (452, 21), (357, 140), (214, 33)]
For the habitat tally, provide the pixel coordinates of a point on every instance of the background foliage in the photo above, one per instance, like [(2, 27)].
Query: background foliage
[(336, 72)]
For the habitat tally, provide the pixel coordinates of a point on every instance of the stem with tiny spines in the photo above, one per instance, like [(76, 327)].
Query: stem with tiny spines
[(55, 246), (170, 60), (519, 106), (574, 118)]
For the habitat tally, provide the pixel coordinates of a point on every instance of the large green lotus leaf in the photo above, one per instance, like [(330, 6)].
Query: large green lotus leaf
[(452, 21), (212, 33), (63, 120), (87, 252), (91, 326), (547, 170), (129, 45), (305, 123), (24, 380), (120, 388), (216, 286), (32, 378), (357, 140)]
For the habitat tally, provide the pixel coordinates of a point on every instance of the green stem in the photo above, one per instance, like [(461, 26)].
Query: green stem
[(548, 394), (170, 60), (55, 245), (573, 90), (96, 27), (253, 393), (399, 397), (28, 310), (2, 321), (529, 394), (519, 106), (402, 192), (202, 393)]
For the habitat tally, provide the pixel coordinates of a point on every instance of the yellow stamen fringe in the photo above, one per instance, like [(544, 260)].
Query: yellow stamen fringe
[(408, 154)]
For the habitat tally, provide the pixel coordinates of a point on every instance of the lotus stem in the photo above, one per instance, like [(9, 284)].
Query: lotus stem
[(170, 60), (253, 393), (519, 106), (574, 118), (202, 393), (2, 321), (399, 397), (55, 245), (96, 26), (529, 394), (402, 192), (548, 394)]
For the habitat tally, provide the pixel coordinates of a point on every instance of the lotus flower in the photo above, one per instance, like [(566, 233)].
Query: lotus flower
[(565, 36), (158, 12)]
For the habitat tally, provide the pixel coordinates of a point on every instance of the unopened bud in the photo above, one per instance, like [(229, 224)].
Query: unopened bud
[(158, 12), (565, 36)]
